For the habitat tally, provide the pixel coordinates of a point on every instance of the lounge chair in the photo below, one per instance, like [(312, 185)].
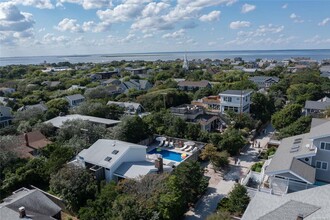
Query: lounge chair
[(194, 149), (188, 149), (160, 143), (171, 145), (184, 147), (166, 144)]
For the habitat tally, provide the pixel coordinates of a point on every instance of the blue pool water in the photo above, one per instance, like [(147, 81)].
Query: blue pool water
[(320, 183), (169, 155)]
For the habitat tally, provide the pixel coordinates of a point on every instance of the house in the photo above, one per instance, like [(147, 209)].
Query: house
[(75, 100), (196, 114), (114, 160), (94, 77), (249, 70), (264, 82), (210, 103), (6, 90), (193, 85), (115, 82), (131, 108), (325, 71), (29, 204), (51, 84), (41, 106), (59, 120), (137, 84), (29, 144), (5, 116), (109, 74), (316, 108), (5, 100), (302, 160), (235, 100), (136, 71), (310, 204)]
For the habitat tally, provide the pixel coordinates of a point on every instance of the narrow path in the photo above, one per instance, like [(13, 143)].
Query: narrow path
[(220, 186)]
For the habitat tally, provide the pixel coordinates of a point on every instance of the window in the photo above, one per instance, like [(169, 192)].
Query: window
[(108, 159), (324, 146), (227, 99), (321, 165)]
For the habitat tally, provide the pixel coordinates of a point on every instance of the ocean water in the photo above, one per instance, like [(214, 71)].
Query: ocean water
[(104, 58)]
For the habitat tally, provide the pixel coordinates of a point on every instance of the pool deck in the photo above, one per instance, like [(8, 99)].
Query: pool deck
[(173, 149)]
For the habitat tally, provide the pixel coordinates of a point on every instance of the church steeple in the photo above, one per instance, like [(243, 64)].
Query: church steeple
[(185, 65)]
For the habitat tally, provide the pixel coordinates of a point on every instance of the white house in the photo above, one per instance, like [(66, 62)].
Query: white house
[(235, 100), (75, 100), (131, 108), (114, 160), (5, 116)]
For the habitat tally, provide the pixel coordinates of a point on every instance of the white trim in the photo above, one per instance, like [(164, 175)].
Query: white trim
[(288, 171), (325, 143), (318, 137), (296, 175)]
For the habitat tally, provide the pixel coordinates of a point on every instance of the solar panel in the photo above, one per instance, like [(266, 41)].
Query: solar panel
[(115, 152)]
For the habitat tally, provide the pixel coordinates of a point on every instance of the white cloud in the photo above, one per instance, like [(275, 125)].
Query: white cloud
[(324, 22), (212, 16), (282, 40), (211, 43), (285, 6), (154, 8), (317, 40), (42, 4), (69, 25), (175, 35), (51, 39), (293, 16), (87, 4), (15, 25), (262, 30), (148, 35), (248, 8), (239, 24), (127, 39)]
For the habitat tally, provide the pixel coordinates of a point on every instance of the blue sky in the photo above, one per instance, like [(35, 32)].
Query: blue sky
[(64, 27)]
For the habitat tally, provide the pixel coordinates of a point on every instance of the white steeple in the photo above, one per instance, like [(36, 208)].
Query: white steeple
[(185, 65)]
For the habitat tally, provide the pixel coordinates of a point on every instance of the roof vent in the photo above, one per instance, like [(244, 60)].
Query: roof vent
[(108, 159), (114, 143), (308, 145), (21, 211)]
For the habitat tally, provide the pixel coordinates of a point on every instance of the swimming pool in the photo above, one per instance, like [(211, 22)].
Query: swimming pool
[(169, 155)]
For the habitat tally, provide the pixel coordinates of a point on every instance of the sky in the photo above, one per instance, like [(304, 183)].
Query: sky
[(67, 27)]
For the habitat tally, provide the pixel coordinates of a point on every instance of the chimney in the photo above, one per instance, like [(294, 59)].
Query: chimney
[(300, 217), (26, 137), (21, 211), (159, 164)]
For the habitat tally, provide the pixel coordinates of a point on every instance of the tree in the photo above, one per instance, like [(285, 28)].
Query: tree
[(98, 109), (286, 116), (299, 93), (237, 201), (190, 179), (131, 129), (218, 159), (262, 107), (32, 115), (232, 141), (61, 105), (302, 125), (74, 184)]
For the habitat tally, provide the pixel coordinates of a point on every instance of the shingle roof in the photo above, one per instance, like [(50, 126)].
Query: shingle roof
[(59, 120), (203, 83), (125, 104), (34, 201), (263, 78), (305, 201), (317, 105), (103, 148)]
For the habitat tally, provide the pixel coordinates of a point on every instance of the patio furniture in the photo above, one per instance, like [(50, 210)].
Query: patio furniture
[(171, 145), (166, 144), (184, 147), (194, 149), (188, 149), (160, 143)]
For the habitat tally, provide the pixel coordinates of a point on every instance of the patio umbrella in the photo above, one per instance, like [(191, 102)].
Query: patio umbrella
[(160, 138), (190, 143), (183, 156)]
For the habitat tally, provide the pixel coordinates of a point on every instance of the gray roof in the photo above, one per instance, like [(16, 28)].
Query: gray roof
[(263, 78), (128, 105), (75, 97), (202, 83), (35, 202), (59, 120), (285, 158), (40, 106), (313, 202), (236, 92), (103, 148), (134, 170), (317, 105)]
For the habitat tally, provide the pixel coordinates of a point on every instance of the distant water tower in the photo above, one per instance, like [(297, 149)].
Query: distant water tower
[(185, 65)]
